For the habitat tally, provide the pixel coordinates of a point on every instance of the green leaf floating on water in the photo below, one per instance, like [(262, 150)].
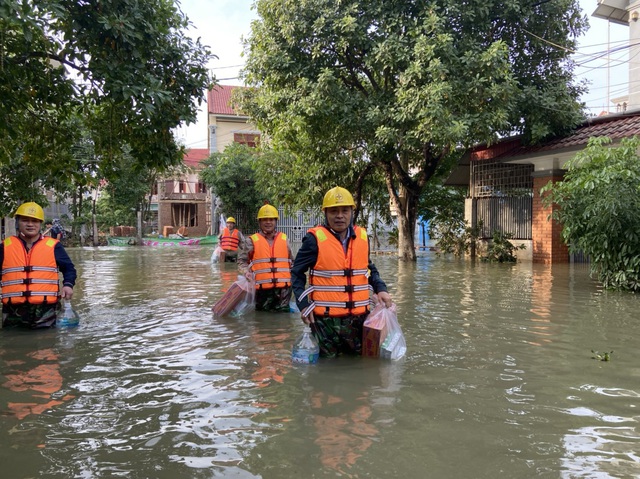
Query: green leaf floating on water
[(602, 356)]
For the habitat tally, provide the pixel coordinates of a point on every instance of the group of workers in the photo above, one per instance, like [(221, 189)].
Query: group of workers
[(336, 257)]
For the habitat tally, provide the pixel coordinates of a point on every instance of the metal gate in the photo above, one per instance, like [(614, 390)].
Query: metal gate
[(507, 214)]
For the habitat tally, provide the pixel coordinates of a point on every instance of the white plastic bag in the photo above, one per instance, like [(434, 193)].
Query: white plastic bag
[(248, 301), (394, 345), (215, 256), (382, 327), (237, 300)]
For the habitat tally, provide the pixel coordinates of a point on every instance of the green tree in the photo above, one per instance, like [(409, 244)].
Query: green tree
[(231, 177), (599, 208), (125, 68), (362, 87)]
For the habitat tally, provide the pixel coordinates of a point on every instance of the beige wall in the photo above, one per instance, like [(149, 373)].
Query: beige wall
[(226, 127)]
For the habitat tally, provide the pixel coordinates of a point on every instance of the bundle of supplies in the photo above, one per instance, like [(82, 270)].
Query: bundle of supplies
[(218, 255), (239, 299), (381, 335)]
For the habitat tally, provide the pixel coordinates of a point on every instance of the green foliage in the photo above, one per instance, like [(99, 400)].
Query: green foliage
[(231, 177), (454, 236), (598, 204), (392, 237), (369, 91), (110, 212), (501, 249), (442, 204), (116, 73)]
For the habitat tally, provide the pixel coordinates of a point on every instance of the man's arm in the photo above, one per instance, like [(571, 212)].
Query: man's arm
[(65, 265), (245, 255), (305, 259)]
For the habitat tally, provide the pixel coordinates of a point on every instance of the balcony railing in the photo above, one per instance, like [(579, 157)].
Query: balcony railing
[(166, 196)]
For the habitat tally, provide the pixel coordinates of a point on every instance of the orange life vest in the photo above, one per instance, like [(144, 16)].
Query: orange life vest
[(339, 281), (29, 277), (229, 241), (271, 264)]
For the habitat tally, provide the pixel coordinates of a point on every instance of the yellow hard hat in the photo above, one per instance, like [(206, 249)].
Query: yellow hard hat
[(337, 197), (231, 219), (268, 211), (30, 210)]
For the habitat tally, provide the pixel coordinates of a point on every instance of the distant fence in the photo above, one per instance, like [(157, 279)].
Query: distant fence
[(295, 226)]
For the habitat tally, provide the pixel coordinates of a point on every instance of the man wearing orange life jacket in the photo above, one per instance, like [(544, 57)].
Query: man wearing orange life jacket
[(266, 258), (341, 275), (30, 266), (230, 240)]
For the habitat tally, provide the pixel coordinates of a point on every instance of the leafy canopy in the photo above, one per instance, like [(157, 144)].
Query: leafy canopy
[(122, 70), (360, 88), (599, 208), (231, 177)]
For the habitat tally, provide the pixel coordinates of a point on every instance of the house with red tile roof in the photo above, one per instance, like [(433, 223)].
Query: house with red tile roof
[(184, 203), (226, 124), (505, 179)]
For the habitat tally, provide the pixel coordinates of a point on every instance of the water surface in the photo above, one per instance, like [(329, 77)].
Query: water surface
[(498, 381)]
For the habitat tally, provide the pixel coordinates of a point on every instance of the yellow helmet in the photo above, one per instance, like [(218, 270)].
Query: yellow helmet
[(231, 219), (268, 211), (337, 197), (30, 210)]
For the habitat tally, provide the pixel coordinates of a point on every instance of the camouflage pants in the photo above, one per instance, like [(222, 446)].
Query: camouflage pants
[(273, 299), (338, 336), (230, 256), (32, 316)]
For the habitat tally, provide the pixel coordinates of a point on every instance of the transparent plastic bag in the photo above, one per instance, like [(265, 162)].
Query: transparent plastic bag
[(247, 301), (382, 334), (239, 298), (215, 256)]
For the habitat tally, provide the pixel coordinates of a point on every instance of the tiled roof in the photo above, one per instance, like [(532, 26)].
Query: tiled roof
[(615, 126), (194, 156), (219, 100)]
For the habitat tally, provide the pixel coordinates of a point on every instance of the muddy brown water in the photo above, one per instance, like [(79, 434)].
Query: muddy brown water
[(498, 380)]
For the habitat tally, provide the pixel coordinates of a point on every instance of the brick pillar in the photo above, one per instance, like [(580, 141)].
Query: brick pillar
[(548, 247)]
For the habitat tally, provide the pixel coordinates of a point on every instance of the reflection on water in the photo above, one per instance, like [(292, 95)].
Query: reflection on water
[(498, 380)]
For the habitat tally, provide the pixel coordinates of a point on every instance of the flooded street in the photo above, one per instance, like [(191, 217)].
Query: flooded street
[(498, 380)]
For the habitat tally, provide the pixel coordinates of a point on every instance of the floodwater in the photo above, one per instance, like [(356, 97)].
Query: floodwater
[(498, 380)]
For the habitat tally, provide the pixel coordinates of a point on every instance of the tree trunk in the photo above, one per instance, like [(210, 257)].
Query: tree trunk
[(94, 223), (407, 216), (139, 228), (405, 204)]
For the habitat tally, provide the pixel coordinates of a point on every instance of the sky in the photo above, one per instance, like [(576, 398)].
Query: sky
[(221, 24)]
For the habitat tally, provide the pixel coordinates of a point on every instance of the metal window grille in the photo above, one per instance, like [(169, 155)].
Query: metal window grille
[(504, 198), (491, 179)]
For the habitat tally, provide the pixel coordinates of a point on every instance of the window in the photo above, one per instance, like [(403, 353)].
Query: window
[(249, 139)]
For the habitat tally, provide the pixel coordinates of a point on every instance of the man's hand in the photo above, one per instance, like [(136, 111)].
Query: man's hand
[(67, 292), (385, 298), (308, 319)]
